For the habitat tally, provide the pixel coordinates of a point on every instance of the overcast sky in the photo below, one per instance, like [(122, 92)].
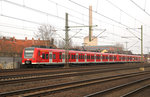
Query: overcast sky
[(21, 18)]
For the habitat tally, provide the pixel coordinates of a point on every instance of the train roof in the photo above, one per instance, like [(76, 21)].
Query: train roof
[(87, 52)]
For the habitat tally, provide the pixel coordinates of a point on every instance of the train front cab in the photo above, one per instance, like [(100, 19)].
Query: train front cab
[(28, 56)]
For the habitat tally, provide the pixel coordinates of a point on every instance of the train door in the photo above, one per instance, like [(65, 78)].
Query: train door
[(110, 57), (63, 57), (44, 57), (55, 57), (88, 57), (60, 57), (38, 56)]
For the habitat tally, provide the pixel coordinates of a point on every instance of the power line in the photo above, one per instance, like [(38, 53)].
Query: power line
[(22, 28), (99, 13), (15, 33), (21, 19), (36, 11), (140, 7), (133, 45), (83, 14), (24, 6), (123, 11), (102, 15)]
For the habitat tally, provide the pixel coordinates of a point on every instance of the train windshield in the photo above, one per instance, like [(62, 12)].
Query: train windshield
[(28, 53)]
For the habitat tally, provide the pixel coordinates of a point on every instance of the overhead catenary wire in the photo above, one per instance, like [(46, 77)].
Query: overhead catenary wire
[(84, 14), (101, 15), (39, 11), (126, 12), (133, 45), (16, 27), (57, 15), (33, 10), (140, 7), (123, 11)]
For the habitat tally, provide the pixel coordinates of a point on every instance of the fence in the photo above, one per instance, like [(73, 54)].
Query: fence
[(10, 60)]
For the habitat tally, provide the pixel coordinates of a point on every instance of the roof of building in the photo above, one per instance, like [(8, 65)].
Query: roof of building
[(13, 45)]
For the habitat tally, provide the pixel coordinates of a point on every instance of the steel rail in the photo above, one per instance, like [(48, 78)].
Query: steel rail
[(70, 85), (100, 93), (9, 77), (136, 91), (54, 76)]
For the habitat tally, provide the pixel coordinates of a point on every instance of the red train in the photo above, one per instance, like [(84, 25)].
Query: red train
[(46, 56)]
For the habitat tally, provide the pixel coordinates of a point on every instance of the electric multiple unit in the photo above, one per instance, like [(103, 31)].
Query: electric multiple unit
[(47, 56)]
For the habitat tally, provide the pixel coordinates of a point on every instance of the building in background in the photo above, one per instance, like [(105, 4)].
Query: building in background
[(13, 46), (93, 41), (104, 49)]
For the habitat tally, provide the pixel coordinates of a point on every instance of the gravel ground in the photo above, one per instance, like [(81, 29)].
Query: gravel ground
[(6, 88), (145, 93), (61, 69), (80, 92)]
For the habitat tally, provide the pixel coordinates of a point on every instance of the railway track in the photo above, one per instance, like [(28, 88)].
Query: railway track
[(7, 72), (46, 90), (36, 74), (5, 80), (136, 91), (109, 92)]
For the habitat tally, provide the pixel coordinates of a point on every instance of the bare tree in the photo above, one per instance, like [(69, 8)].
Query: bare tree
[(46, 32), (119, 45), (61, 44)]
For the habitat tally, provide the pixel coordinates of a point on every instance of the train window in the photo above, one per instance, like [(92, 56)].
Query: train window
[(92, 57), (123, 57), (115, 58), (97, 57), (72, 57), (110, 57), (43, 56), (54, 56), (130, 58), (46, 56), (87, 56), (107, 57), (119, 58), (103, 57), (50, 56), (60, 56)]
